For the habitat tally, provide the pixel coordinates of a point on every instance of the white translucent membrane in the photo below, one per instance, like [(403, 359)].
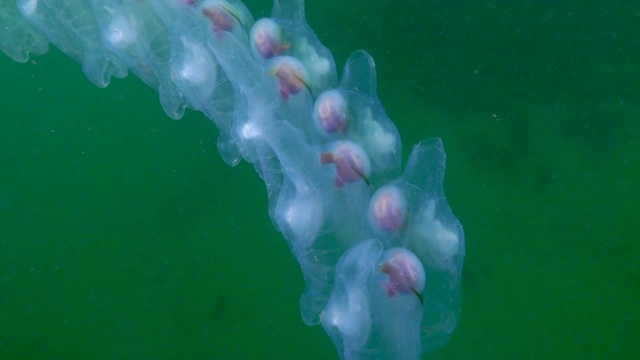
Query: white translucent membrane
[(399, 326), (198, 54), (18, 38), (72, 28)]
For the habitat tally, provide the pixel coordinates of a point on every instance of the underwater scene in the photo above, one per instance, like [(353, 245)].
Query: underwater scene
[(125, 233)]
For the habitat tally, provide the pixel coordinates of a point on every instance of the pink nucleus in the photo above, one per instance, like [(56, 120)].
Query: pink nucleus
[(405, 273), (351, 161)]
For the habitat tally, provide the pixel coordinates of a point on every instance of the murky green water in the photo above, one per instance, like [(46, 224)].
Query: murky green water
[(123, 234)]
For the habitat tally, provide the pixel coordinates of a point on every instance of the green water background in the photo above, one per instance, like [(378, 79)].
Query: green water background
[(124, 235)]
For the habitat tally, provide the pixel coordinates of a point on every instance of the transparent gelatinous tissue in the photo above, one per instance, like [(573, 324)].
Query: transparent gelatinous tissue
[(379, 248), (18, 38), (71, 26), (133, 31), (371, 296), (194, 68), (362, 118)]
